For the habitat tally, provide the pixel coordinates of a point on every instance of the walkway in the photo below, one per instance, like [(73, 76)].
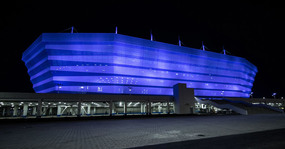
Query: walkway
[(126, 133)]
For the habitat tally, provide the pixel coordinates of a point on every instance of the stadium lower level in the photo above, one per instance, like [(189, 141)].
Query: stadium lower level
[(76, 105)]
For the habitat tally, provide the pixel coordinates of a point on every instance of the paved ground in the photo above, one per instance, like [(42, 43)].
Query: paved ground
[(127, 133), (270, 139)]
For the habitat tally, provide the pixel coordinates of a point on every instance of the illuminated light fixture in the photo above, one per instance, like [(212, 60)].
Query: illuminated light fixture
[(130, 104), (136, 103), (179, 41), (151, 36), (274, 95)]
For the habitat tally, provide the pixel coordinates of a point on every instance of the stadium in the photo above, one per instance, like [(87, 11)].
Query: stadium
[(119, 64), (84, 74)]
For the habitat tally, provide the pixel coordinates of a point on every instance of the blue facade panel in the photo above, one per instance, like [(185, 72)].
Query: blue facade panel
[(114, 63)]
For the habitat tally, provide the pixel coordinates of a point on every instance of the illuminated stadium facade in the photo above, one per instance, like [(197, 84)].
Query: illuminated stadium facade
[(88, 63)]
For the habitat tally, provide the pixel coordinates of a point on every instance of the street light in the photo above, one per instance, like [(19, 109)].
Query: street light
[(274, 95), (251, 95)]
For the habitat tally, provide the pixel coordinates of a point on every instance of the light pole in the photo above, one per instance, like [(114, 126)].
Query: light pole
[(251, 95), (274, 95)]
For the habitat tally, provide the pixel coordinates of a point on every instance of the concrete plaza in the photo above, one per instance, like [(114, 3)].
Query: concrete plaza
[(134, 132)]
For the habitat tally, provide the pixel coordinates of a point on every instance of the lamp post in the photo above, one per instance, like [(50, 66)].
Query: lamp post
[(251, 95), (274, 95)]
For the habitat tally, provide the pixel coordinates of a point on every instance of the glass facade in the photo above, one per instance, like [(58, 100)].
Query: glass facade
[(112, 63)]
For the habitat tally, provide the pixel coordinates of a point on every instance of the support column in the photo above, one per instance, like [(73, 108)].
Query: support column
[(39, 109), (45, 111), (159, 108), (94, 112), (125, 108), (15, 112), (168, 108), (110, 108), (146, 108), (113, 107), (79, 109), (58, 110), (25, 110), (34, 111), (183, 99), (142, 107), (3, 113), (50, 110), (149, 108), (88, 109)]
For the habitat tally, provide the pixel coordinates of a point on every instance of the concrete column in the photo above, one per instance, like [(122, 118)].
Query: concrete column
[(149, 108), (125, 108), (142, 107), (146, 108), (45, 111), (58, 110), (94, 112), (183, 99), (15, 112), (79, 109), (110, 108), (168, 108), (34, 111), (159, 108), (25, 110), (88, 109), (3, 113), (50, 111), (39, 109), (113, 107)]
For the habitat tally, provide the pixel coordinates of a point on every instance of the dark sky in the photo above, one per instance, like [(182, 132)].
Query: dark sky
[(252, 30)]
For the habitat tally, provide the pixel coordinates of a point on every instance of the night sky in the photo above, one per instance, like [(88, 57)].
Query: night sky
[(252, 30)]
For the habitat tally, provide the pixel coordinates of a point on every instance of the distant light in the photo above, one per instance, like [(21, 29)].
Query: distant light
[(82, 87)]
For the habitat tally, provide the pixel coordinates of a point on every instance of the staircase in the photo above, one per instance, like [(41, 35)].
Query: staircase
[(240, 107)]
